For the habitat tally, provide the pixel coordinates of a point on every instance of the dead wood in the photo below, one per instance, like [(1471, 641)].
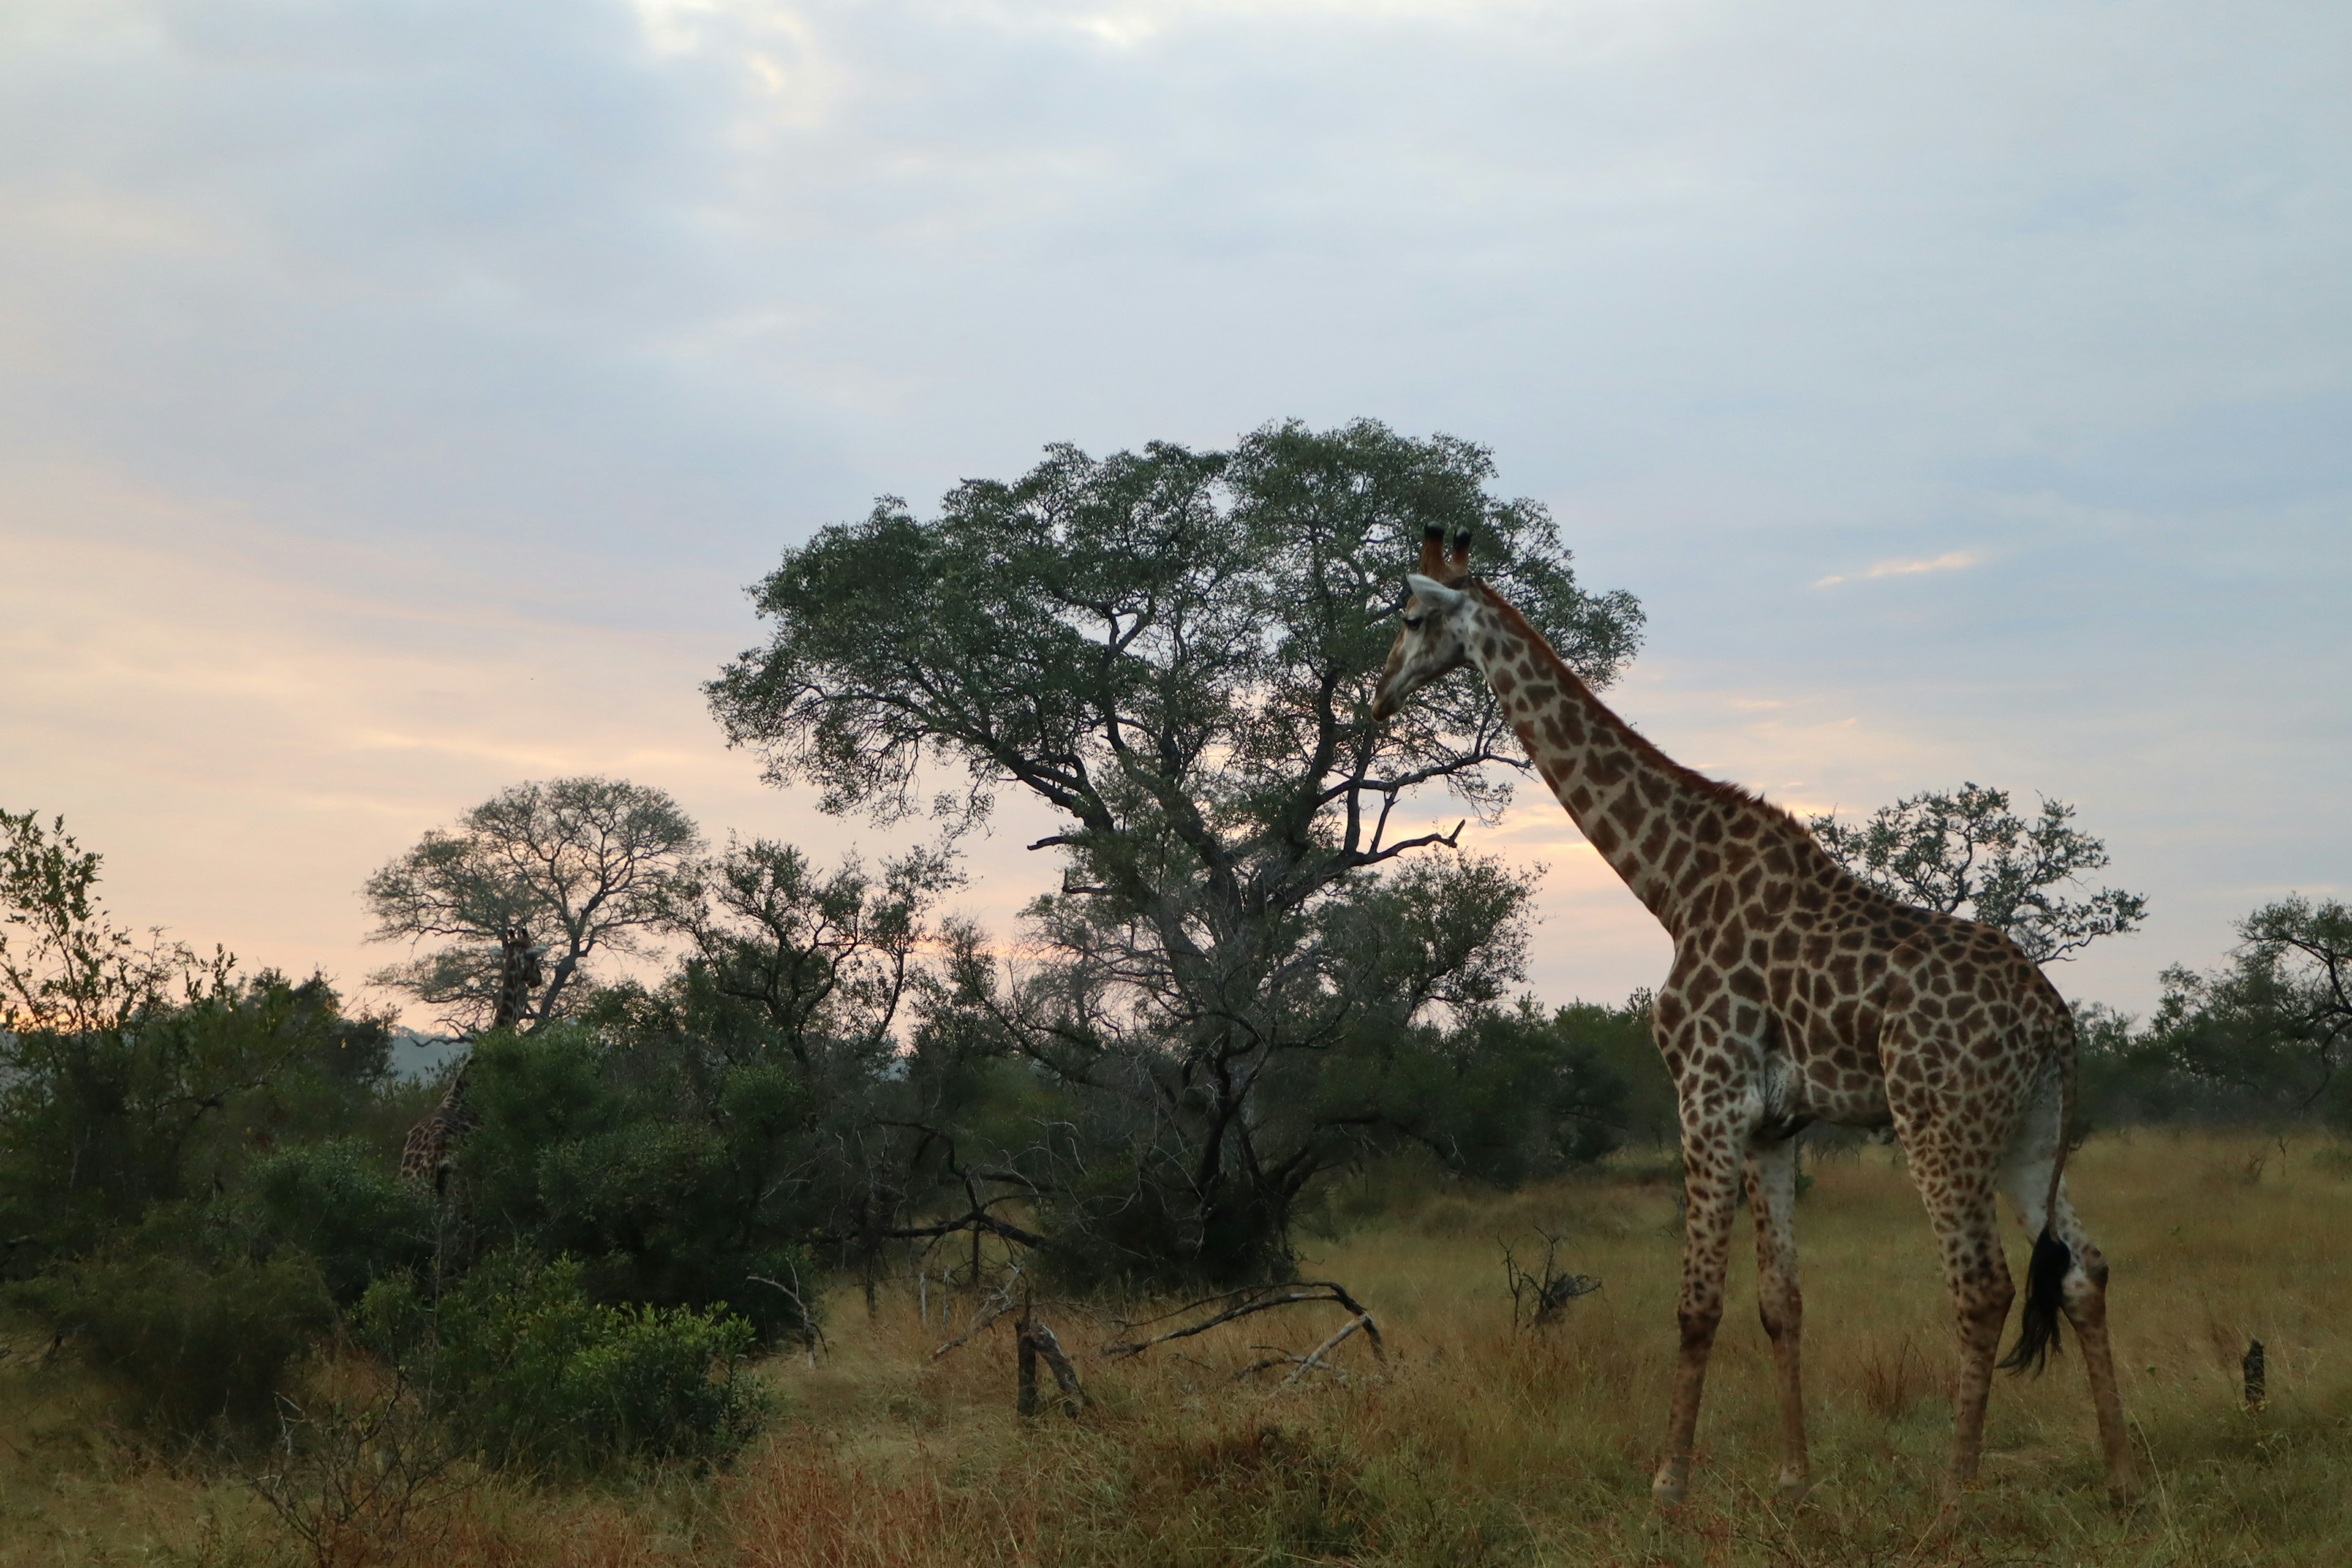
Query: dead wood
[(1049, 1349), (1003, 1300), (1255, 1299), (1539, 1295)]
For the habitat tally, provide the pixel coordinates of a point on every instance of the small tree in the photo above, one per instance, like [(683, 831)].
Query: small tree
[(65, 965), (2277, 1020), (586, 866), (815, 956), (1966, 853)]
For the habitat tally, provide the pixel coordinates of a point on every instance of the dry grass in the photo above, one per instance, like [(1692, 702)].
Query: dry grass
[(1476, 1444)]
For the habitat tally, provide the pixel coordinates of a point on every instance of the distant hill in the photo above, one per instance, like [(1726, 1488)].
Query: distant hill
[(417, 1055)]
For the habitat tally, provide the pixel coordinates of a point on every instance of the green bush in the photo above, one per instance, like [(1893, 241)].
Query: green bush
[(99, 1125), (662, 1168), (524, 1367), (341, 1204), (191, 1333)]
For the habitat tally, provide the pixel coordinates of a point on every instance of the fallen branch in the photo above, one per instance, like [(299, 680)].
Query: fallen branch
[(1252, 1300), (1314, 1358), (1312, 1361)]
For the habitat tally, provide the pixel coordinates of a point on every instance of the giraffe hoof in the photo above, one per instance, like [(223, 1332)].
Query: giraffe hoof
[(1666, 1490), (1791, 1490)]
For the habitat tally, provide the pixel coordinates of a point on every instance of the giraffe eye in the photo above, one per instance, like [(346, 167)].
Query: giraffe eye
[(1412, 623)]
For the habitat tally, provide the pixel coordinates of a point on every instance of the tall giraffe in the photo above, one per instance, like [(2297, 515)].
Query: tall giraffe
[(1801, 993), (426, 1155)]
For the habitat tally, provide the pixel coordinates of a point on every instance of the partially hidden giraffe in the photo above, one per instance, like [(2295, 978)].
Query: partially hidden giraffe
[(428, 1155), (1801, 993)]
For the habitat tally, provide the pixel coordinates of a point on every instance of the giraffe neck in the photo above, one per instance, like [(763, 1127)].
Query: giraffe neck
[(1661, 827), (514, 978)]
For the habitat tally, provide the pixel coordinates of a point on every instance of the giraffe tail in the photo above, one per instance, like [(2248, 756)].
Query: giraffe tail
[(2046, 1276), (2045, 1296)]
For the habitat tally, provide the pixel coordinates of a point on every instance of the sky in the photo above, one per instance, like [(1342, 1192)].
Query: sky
[(396, 396)]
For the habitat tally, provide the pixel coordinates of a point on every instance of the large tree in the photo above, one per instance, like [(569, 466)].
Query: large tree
[(1176, 651), (1964, 852), (586, 866)]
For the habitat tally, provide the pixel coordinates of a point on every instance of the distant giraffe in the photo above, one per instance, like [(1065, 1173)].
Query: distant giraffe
[(428, 1153), (1801, 993)]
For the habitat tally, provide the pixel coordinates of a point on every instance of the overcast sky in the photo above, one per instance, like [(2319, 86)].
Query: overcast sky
[(396, 397)]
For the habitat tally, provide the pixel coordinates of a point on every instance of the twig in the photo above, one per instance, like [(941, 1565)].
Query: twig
[(813, 1336), (1549, 1289), (995, 1306), (1314, 1358)]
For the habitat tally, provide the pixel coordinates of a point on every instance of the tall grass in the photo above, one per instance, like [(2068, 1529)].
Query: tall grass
[(1474, 1443)]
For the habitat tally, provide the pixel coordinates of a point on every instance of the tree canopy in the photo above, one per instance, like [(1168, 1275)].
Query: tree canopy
[(2278, 1016), (584, 865), (1964, 852)]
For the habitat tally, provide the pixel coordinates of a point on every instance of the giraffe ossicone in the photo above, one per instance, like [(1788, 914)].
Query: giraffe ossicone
[(1800, 993)]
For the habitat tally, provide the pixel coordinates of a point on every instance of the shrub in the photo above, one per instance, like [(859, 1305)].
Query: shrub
[(337, 1203), (191, 1333), (526, 1369), (665, 1170), (174, 1101)]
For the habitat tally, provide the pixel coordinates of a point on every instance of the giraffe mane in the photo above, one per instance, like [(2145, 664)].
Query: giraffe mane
[(1722, 789)]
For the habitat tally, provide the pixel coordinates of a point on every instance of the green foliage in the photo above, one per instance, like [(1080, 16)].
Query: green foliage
[(341, 1203), (98, 1125), (585, 866), (189, 1330), (1620, 1044), (1966, 853), (527, 1368), (663, 1166), (64, 966), (1508, 1098), (2269, 1031), (813, 956)]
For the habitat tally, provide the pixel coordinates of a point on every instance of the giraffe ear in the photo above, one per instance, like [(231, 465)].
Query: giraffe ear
[(1432, 594)]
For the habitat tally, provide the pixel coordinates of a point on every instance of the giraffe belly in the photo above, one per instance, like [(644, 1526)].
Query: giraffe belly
[(1837, 1081)]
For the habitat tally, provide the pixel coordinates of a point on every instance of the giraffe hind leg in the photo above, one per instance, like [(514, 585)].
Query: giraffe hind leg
[(1955, 1164), (1959, 1195), (2069, 1275)]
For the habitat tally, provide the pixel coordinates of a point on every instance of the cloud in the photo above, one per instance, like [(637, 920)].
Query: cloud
[(427, 352), (1950, 561)]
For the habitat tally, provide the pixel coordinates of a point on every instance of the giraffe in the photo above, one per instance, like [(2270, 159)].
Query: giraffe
[(1801, 993), (426, 1155)]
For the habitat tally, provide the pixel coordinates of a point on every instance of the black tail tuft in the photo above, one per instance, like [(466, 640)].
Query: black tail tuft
[(2045, 1294)]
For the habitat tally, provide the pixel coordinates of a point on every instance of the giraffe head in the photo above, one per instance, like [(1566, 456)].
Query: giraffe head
[(1435, 639)]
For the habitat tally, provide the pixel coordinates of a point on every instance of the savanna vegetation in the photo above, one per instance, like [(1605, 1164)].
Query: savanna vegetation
[(825, 1232)]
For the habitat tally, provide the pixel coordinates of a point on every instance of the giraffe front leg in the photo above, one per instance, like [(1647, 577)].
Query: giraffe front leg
[(1711, 1158), (1772, 1195)]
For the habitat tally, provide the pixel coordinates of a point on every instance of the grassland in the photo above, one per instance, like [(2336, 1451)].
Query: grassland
[(1474, 1443)]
